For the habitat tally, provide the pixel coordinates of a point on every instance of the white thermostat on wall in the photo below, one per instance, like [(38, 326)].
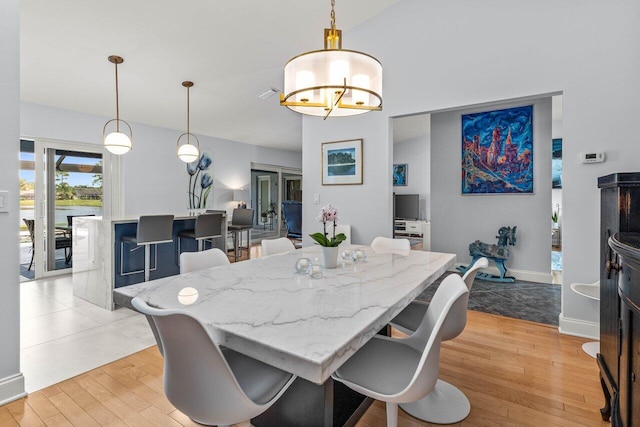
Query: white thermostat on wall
[(592, 157)]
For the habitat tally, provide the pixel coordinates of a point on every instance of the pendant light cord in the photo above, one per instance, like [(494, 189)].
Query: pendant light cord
[(117, 102), (188, 103)]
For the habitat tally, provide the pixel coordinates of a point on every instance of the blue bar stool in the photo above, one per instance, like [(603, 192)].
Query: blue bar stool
[(152, 230), (208, 226)]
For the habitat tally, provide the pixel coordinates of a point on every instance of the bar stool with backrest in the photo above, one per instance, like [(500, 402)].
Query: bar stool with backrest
[(152, 230), (208, 226), (241, 220)]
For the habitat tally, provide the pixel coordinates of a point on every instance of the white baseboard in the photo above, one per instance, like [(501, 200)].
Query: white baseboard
[(526, 275), (12, 388), (579, 328)]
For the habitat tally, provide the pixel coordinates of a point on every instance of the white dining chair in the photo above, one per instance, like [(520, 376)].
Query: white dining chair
[(399, 371), (591, 291), (192, 261), (446, 404), (386, 244), (212, 385), (407, 320), (276, 246)]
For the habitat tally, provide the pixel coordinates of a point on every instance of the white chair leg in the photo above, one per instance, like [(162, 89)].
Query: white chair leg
[(446, 404), (392, 414), (591, 348)]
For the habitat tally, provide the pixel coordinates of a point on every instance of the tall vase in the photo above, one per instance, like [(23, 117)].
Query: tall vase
[(330, 256)]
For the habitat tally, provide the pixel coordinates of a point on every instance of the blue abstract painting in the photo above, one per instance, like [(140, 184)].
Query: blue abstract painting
[(556, 163), (400, 174), (497, 151)]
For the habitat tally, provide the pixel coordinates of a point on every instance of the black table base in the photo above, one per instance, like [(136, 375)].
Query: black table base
[(315, 405)]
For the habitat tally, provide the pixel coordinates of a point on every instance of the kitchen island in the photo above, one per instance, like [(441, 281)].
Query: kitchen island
[(101, 263)]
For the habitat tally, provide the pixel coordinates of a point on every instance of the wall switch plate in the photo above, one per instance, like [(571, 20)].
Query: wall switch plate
[(4, 201), (316, 198)]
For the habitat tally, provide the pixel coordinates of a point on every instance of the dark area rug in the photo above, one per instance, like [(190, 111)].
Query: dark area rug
[(30, 274), (537, 302)]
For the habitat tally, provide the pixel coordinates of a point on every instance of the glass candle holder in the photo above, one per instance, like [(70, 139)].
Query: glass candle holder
[(303, 265), (358, 255), (315, 271), (346, 255)]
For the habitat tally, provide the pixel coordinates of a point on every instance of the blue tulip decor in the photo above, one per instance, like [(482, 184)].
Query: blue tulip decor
[(199, 180)]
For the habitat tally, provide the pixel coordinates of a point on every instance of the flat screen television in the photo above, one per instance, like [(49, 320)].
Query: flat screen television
[(406, 206)]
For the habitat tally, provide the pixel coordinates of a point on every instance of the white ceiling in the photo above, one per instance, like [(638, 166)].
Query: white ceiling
[(411, 127), (232, 51)]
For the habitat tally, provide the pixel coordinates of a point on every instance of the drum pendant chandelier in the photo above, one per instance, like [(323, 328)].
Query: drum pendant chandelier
[(117, 142), (188, 152), (332, 81)]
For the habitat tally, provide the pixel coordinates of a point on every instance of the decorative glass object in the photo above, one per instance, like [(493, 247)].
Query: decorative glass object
[(303, 265), (359, 255), (315, 271)]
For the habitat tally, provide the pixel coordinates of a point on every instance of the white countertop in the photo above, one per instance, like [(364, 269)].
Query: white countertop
[(302, 325), (134, 218)]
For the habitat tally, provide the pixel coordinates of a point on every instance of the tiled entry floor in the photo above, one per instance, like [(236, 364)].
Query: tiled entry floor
[(62, 336)]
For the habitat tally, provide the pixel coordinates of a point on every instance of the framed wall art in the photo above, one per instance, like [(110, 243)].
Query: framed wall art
[(556, 163), (342, 162), (400, 174), (497, 151)]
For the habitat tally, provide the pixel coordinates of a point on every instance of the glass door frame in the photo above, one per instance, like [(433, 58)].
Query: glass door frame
[(280, 170), (112, 191)]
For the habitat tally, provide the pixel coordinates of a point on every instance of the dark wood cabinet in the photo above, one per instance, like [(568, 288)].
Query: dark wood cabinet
[(626, 247), (619, 213)]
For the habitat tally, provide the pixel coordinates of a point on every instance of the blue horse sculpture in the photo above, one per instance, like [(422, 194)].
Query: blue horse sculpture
[(498, 253)]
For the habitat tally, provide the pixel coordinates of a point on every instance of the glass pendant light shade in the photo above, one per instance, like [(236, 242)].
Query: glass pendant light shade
[(188, 152), (117, 142), (316, 79)]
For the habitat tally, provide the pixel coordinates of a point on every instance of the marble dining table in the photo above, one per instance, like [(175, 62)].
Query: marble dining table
[(304, 325)]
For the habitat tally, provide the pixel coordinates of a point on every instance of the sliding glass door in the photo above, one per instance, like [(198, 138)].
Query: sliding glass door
[(69, 181)]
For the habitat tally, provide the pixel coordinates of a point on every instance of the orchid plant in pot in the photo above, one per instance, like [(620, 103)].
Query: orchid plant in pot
[(329, 215)]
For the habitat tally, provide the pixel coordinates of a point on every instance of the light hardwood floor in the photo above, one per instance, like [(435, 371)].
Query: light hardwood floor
[(514, 372)]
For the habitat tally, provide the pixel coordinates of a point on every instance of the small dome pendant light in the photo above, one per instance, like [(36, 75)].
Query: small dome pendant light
[(188, 152), (117, 142)]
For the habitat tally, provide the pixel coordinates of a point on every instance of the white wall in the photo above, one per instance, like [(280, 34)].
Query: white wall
[(155, 180), (458, 220), (368, 207), (441, 54), (11, 379), (416, 153)]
